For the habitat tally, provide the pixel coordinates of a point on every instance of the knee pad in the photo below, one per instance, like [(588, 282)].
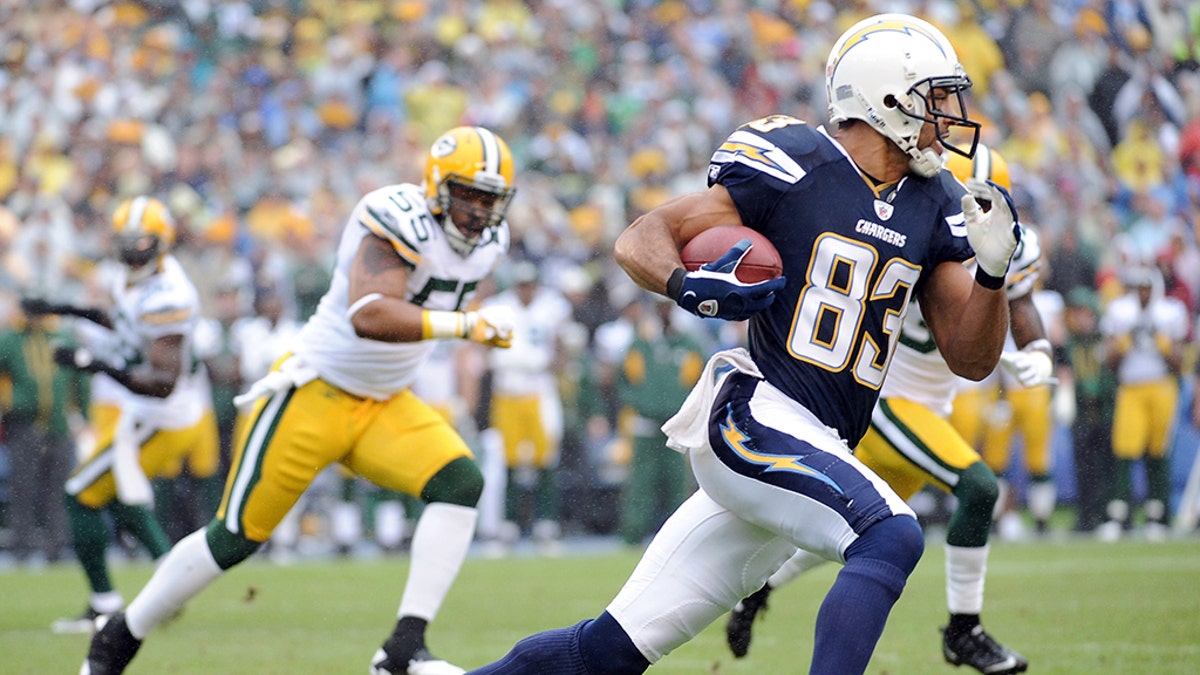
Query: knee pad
[(459, 482), (897, 540), (977, 490), (228, 548)]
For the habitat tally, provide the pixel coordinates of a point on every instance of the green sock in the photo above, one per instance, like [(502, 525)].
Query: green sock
[(89, 536), (140, 522)]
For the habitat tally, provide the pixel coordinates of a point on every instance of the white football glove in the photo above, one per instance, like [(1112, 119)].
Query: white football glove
[(1031, 365), (993, 234), (492, 326)]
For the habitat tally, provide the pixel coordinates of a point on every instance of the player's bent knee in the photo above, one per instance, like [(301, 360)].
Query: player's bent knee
[(977, 489), (228, 548), (459, 482), (897, 540)]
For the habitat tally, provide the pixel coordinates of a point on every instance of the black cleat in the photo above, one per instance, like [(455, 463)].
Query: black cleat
[(741, 620), (420, 663), (980, 651), (112, 648)]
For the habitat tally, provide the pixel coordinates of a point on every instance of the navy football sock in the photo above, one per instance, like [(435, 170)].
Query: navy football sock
[(551, 652), (592, 647), (855, 610), (607, 650)]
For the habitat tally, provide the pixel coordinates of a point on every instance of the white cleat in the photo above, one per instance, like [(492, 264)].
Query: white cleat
[(422, 663)]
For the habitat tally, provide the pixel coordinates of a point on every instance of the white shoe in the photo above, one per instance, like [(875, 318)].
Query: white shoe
[(1011, 527), (422, 663), (425, 663), (1109, 531), (84, 624), (495, 549), (1156, 532)]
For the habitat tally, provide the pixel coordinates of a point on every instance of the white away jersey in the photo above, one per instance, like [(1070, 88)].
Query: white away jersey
[(526, 367), (440, 279), (918, 372), (164, 304), (1125, 316)]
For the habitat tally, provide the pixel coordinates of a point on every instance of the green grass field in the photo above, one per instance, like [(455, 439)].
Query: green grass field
[(1070, 607)]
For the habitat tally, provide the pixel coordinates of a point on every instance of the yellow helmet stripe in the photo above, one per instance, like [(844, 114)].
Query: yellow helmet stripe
[(491, 150), (137, 211)]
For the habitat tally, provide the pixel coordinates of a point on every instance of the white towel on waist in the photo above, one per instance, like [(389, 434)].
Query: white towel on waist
[(133, 487), (291, 373), (688, 429)]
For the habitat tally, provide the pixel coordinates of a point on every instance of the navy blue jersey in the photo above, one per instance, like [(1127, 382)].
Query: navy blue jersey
[(852, 260)]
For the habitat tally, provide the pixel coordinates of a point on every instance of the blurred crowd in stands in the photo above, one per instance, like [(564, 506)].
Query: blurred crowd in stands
[(260, 123)]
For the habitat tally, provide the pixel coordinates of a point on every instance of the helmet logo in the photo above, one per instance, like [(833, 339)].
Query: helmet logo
[(444, 146), (891, 25)]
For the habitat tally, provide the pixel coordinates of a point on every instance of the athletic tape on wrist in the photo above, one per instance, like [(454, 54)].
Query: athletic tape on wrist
[(442, 324)]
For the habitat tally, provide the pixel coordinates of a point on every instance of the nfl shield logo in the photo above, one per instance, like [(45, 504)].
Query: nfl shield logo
[(884, 210)]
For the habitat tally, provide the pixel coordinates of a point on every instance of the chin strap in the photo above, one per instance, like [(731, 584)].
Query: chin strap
[(925, 162)]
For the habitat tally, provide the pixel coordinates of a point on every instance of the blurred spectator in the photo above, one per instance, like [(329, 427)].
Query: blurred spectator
[(1083, 367), (657, 373), (42, 407)]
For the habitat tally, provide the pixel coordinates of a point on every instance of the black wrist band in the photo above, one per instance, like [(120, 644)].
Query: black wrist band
[(675, 283), (988, 281)]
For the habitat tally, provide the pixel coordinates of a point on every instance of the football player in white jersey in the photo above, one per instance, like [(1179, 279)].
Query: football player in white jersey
[(147, 373), (409, 261), (911, 444), (526, 405), (864, 219), (1145, 331)]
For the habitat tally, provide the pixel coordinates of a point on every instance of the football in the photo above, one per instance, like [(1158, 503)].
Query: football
[(762, 261)]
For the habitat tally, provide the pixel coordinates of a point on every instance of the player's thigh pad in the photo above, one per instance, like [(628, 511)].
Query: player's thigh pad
[(701, 562), (160, 451), (284, 442), (518, 419), (1132, 416), (909, 445), (205, 456), (405, 443), (771, 462)]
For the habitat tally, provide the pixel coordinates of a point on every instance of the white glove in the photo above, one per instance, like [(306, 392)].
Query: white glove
[(1031, 366), (993, 234), (492, 326)]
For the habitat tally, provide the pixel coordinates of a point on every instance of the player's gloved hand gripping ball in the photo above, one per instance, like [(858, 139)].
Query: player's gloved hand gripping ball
[(716, 289), (992, 229)]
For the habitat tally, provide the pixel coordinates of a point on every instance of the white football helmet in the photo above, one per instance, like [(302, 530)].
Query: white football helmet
[(883, 71)]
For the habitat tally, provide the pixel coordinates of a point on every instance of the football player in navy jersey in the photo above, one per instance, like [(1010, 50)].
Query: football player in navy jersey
[(911, 444), (864, 218), (408, 264)]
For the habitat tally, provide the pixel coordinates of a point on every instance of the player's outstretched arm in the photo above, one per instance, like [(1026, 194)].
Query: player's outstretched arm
[(1032, 364), (377, 311), (156, 377), (969, 322), (42, 307)]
